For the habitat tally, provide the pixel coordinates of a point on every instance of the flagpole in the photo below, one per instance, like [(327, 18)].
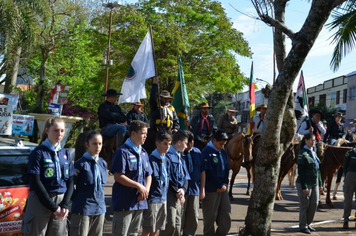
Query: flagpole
[(156, 75), (306, 97), (182, 92)]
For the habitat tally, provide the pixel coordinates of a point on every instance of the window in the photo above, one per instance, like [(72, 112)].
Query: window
[(344, 98), (13, 170), (312, 101), (322, 97), (337, 98), (352, 93)]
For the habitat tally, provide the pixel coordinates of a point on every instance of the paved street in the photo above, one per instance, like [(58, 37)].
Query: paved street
[(285, 216)]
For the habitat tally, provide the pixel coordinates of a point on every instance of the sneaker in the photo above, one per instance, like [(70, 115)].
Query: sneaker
[(305, 230)]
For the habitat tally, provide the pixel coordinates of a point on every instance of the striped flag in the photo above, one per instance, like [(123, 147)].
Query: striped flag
[(301, 102), (252, 101), (181, 101)]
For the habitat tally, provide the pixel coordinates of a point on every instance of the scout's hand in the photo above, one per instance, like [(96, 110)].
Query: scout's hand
[(143, 190), (174, 131), (222, 189), (155, 80), (201, 195), (64, 213), (306, 191), (180, 193), (58, 213), (182, 201), (140, 197)]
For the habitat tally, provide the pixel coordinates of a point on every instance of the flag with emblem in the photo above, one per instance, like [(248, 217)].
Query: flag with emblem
[(142, 68), (181, 101), (301, 102), (252, 101)]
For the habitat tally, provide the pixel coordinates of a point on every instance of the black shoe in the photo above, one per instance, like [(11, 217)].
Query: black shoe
[(346, 225), (311, 228), (305, 230)]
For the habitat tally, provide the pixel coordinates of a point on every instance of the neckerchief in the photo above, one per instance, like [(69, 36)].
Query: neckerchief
[(313, 155), (49, 145), (205, 119), (137, 150), (317, 133), (97, 175), (163, 171), (259, 123), (180, 167), (210, 144), (167, 112), (190, 162)]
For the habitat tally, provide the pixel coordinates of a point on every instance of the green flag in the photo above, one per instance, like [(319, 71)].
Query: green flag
[(181, 101)]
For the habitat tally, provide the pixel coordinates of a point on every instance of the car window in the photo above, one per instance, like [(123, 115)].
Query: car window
[(13, 170)]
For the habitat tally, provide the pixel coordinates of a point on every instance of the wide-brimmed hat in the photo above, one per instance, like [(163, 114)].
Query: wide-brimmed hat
[(204, 105), (353, 122), (138, 104), (261, 106), (232, 109), (111, 92), (314, 111), (166, 94), (338, 114), (324, 122)]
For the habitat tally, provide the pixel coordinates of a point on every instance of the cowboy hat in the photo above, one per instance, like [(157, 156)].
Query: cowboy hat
[(166, 94), (204, 105), (338, 114), (324, 122), (353, 122), (138, 103), (232, 109), (314, 111), (261, 106), (111, 92)]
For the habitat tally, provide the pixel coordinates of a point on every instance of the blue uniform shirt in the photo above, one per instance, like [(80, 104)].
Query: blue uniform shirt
[(177, 170), (159, 189), (86, 199), (216, 174), (41, 162), (198, 167), (126, 161)]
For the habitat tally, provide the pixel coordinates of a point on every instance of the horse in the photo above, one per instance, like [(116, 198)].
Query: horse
[(238, 148), (331, 160)]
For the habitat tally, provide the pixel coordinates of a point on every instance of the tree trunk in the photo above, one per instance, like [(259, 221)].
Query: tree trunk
[(40, 89), (260, 211), (10, 80)]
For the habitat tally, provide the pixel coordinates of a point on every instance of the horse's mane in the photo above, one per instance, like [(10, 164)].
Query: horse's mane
[(340, 142)]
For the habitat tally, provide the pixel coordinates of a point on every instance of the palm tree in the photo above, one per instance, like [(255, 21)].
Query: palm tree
[(345, 37), (18, 22)]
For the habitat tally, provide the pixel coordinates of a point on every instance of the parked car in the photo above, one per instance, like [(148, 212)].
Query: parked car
[(14, 183)]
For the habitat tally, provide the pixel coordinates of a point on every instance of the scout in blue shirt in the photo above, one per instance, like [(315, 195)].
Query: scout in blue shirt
[(51, 184), (216, 201), (154, 218), (132, 173), (196, 190), (88, 201), (178, 184)]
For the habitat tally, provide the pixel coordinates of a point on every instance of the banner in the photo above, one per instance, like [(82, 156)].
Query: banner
[(301, 102), (252, 101), (12, 203), (9, 99), (142, 68), (181, 101), (22, 124), (6, 120)]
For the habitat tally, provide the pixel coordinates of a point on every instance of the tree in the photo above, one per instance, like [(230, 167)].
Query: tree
[(344, 19), (198, 30), (280, 124)]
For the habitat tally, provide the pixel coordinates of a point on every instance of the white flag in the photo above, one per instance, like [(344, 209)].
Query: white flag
[(142, 68), (301, 102)]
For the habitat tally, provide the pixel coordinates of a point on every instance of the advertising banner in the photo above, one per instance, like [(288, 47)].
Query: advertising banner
[(9, 99), (5, 120), (22, 124), (12, 203)]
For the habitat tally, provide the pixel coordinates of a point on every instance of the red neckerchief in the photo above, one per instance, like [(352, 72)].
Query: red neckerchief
[(259, 123), (205, 119)]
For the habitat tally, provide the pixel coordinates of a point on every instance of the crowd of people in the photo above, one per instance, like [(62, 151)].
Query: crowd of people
[(159, 191)]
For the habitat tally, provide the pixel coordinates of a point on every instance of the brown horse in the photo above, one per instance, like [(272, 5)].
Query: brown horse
[(238, 148), (331, 161)]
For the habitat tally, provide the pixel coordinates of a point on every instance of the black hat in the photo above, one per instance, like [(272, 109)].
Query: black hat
[(111, 92), (338, 114), (220, 135), (312, 112)]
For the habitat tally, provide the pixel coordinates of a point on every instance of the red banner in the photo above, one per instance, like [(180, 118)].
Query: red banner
[(12, 203)]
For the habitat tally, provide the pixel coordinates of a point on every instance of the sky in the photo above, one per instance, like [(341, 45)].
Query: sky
[(316, 68)]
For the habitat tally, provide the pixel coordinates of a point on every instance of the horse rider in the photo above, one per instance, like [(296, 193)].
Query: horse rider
[(335, 129), (228, 122), (163, 116), (112, 120), (350, 135), (313, 125), (258, 120), (136, 113), (202, 126)]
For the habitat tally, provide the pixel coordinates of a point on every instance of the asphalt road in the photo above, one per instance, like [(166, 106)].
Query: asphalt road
[(327, 220)]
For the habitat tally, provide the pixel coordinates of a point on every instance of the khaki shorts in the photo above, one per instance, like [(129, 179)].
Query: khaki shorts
[(154, 217)]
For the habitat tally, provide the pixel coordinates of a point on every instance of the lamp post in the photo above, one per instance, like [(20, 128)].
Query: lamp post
[(110, 5)]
